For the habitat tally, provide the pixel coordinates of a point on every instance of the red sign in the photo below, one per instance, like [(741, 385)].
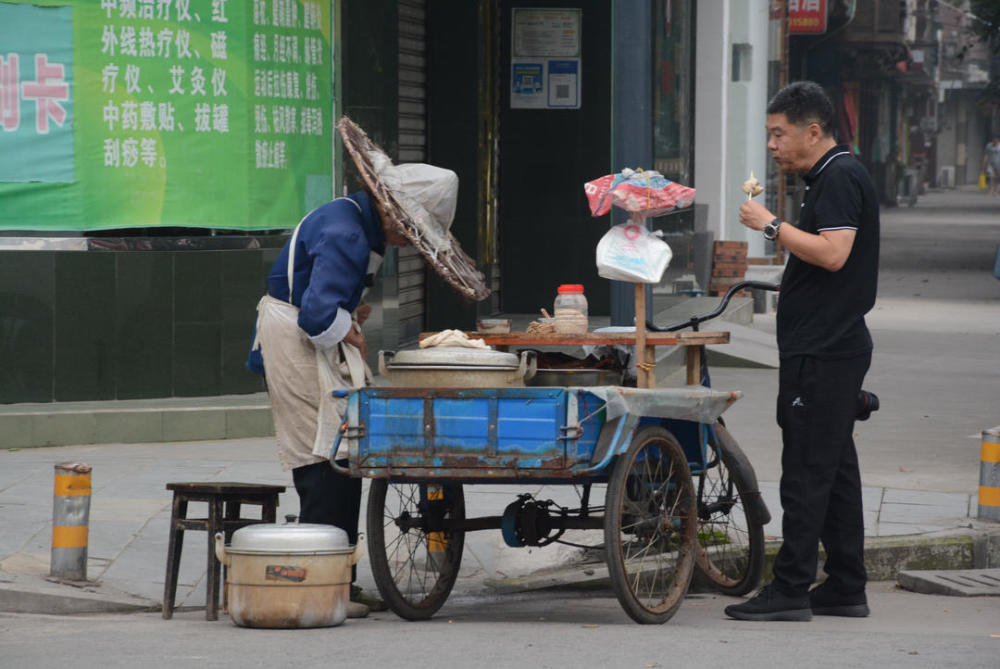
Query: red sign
[(806, 17)]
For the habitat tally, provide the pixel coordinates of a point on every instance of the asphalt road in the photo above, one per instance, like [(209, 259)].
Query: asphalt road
[(543, 630)]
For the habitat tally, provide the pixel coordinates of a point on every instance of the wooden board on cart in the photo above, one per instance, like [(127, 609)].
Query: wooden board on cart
[(692, 340)]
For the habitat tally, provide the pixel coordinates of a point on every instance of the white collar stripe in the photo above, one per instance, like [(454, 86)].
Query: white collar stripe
[(836, 155)]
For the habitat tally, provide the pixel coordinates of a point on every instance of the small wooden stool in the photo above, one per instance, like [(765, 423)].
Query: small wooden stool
[(224, 501)]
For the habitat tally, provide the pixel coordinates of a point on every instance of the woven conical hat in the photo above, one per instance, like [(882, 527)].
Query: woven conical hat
[(438, 247)]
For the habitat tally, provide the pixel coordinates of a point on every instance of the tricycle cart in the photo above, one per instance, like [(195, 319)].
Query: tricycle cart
[(680, 492)]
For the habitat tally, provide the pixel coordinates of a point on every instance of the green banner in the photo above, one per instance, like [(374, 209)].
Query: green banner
[(148, 113)]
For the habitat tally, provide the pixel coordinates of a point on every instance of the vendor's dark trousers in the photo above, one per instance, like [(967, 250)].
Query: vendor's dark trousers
[(820, 479), (329, 498)]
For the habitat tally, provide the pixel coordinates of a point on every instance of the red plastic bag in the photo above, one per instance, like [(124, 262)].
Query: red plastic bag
[(639, 192)]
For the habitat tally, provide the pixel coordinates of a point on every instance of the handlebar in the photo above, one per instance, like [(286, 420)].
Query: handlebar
[(695, 320)]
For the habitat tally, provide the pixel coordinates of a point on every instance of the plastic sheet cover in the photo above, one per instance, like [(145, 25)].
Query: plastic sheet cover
[(695, 403)]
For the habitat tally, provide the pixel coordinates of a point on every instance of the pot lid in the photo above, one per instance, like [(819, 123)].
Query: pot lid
[(268, 538), (453, 356)]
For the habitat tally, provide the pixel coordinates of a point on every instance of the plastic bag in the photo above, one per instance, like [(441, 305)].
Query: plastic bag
[(630, 252), (646, 193), (982, 181)]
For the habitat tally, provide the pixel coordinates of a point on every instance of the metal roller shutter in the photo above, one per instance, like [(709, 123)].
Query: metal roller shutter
[(412, 149)]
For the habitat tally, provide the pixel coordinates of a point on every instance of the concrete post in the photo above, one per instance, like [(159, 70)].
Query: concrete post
[(70, 521)]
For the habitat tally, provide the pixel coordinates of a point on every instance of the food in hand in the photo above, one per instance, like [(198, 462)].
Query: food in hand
[(752, 187)]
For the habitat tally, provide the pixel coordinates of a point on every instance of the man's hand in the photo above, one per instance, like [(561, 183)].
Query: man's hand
[(755, 215), (362, 313), (355, 337)]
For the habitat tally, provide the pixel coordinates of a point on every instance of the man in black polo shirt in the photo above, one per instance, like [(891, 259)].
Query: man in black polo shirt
[(825, 350)]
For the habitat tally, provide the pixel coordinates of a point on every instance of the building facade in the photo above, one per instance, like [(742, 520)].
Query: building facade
[(526, 100)]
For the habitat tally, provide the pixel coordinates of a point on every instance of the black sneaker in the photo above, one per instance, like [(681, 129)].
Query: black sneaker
[(772, 604), (825, 601)]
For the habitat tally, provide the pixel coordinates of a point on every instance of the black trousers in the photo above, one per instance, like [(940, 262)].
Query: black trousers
[(329, 498), (820, 479)]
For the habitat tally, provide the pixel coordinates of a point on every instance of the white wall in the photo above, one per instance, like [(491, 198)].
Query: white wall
[(730, 139), (711, 93)]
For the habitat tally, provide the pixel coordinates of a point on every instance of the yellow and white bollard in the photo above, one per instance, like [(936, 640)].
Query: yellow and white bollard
[(989, 476), (70, 521)]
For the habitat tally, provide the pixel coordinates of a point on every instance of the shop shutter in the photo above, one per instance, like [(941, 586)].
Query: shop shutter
[(412, 149)]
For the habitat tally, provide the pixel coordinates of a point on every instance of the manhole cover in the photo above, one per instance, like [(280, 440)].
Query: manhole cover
[(956, 582)]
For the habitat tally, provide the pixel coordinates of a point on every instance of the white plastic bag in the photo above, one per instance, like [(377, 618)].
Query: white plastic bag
[(630, 252)]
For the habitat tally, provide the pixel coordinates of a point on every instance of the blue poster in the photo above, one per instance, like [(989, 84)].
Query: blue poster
[(36, 94), (564, 83), (527, 78)]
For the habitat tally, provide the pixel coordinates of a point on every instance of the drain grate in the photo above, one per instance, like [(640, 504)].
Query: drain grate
[(955, 582)]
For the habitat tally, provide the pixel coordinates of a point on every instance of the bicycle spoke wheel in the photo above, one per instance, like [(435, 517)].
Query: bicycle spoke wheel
[(649, 527), (731, 545), (414, 562)]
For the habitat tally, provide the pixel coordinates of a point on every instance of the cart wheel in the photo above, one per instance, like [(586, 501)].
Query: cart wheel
[(415, 566), (649, 526), (731, 544)]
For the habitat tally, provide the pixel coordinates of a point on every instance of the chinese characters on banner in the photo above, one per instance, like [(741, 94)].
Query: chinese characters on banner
[(48, 90), (285, 82), (146, 40), (807, 17), (141, 113), (36, 105)]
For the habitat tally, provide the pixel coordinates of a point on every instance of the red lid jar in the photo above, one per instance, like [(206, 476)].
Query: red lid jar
[(570, 309)]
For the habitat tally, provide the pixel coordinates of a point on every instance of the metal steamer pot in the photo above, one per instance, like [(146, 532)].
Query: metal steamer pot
[(288, 576), (456, 367)]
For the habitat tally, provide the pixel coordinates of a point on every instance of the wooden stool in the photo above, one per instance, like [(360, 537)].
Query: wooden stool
[(224, 501)]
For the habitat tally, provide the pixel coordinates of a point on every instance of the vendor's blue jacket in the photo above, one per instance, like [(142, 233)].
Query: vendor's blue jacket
[(331, 263)]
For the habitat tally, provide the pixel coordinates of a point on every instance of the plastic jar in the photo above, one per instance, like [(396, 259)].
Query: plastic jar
[(570, 309)]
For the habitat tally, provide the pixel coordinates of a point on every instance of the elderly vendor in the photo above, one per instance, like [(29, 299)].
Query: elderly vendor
[(308, 337), (309, 341)]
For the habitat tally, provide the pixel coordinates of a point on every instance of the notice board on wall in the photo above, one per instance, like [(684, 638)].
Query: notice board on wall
[(545, 59), (148, 113)]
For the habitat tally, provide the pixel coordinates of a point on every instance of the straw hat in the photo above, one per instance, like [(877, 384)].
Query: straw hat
[(418, 199)]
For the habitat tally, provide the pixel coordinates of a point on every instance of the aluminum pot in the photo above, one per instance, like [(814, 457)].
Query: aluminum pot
[(456, 367), (577, 377), (288, 576)]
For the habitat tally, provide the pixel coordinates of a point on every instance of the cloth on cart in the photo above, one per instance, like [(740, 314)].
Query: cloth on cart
[(452, 338)]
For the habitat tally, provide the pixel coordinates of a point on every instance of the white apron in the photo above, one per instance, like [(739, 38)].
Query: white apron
[(301, 379)]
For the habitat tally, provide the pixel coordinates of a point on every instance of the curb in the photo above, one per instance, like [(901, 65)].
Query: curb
[(46, 597), (885, 557)]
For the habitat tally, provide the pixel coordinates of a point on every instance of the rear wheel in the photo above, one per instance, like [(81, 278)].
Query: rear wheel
[(649, 526), (414, 561), (730, 543)]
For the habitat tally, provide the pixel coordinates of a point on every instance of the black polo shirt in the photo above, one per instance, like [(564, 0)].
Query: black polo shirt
[(821, 313)]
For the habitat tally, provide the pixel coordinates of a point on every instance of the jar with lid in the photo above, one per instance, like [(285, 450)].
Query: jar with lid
[(570, 309)]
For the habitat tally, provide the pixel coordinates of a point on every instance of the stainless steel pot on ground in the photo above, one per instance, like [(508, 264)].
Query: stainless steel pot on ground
[(285, 576), (456, 367)]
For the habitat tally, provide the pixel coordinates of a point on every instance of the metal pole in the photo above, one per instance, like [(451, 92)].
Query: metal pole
[(989, 476), (632, 117), (70, 521)]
